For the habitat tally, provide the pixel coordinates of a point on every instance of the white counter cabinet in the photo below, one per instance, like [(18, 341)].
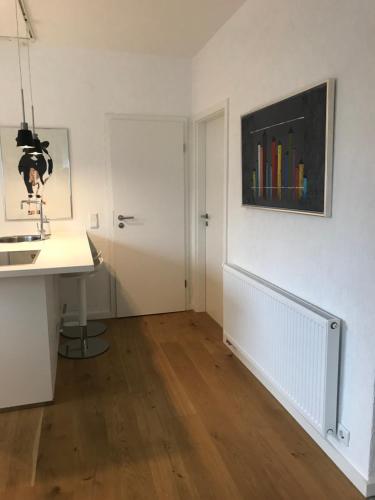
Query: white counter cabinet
[(30, 316)]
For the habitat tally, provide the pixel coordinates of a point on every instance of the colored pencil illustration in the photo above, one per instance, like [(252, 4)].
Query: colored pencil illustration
[(270, 190), (304, 188), (259, 169), (301, 169), (264, 144), (253, 181), (293, 181), (279, 164), (274, 167), (285, 193), (291, 152), (277, 174)]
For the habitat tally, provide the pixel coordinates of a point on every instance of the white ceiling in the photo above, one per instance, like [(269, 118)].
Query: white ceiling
[(8, 26), (165, 27)]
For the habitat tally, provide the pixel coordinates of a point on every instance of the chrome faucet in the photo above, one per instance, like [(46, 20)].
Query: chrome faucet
[(43, 219)]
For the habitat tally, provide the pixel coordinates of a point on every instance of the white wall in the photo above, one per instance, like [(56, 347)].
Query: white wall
[(265, 51), (74, 89), (269, 49)]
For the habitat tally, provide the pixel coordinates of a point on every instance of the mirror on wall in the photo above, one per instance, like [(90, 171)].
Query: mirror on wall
[(31, 176)]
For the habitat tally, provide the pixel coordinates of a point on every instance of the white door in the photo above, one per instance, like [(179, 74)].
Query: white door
[(148, 182), (215, 209)]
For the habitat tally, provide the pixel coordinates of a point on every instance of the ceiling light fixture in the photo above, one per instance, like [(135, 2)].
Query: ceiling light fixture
[(24, 136)]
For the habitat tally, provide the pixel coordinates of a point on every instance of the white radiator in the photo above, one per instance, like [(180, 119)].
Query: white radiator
[(291, 345)]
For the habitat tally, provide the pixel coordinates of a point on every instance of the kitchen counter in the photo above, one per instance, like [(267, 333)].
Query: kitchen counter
[(60, 254), (30, 315)]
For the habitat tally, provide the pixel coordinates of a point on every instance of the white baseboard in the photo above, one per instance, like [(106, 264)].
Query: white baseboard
[(71, 316), (365, 486), (370, 488), (100, 315)]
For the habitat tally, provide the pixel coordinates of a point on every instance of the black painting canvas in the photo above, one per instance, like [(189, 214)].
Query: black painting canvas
[(286, 150)]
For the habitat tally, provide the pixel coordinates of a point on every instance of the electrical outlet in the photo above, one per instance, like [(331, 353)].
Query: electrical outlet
[(94, 221), (343, 435)]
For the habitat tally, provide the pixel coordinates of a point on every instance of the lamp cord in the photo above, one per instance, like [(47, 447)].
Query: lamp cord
[(31, 87), (19, 61)]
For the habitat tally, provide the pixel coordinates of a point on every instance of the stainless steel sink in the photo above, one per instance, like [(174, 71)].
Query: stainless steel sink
[(20, 238), (19, 257)]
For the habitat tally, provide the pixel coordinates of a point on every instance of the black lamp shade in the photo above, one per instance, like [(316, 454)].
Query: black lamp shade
[(25, 139), (37, 149)]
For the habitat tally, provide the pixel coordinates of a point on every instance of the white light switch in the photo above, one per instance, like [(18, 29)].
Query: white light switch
[(94, 221)]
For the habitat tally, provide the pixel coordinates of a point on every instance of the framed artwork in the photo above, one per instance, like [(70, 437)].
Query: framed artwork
[(287, 153), (28, 176)]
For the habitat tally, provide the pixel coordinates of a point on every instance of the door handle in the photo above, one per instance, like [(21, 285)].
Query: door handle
[(125, 217), (205, 216)]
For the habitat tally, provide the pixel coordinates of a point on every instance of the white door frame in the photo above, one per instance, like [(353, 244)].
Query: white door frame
[(199, 202), (111, 219)]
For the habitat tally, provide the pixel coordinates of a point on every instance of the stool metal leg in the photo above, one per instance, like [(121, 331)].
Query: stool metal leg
[(83, 347), (94, 328)]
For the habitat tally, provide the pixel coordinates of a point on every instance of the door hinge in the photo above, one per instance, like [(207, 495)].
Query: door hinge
[(185, 283), (184, 148)]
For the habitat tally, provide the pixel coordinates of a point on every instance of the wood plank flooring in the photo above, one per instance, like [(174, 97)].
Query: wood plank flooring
[(168, 414)]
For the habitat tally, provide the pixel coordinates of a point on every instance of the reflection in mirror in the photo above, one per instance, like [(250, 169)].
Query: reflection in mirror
[(29, 176)]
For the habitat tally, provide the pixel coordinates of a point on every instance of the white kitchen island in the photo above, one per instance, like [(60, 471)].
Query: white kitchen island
[(30, 313)]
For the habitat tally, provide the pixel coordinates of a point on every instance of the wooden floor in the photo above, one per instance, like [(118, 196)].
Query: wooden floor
[(167, 413)]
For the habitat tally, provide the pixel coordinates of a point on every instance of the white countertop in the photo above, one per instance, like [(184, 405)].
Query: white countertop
[(65, 252)]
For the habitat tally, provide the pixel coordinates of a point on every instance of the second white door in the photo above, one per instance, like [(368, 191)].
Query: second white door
[(215, 209), (148, 179)]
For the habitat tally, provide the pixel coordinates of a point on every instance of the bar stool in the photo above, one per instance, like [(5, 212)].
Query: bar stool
[(94, 328), (84, 347)]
